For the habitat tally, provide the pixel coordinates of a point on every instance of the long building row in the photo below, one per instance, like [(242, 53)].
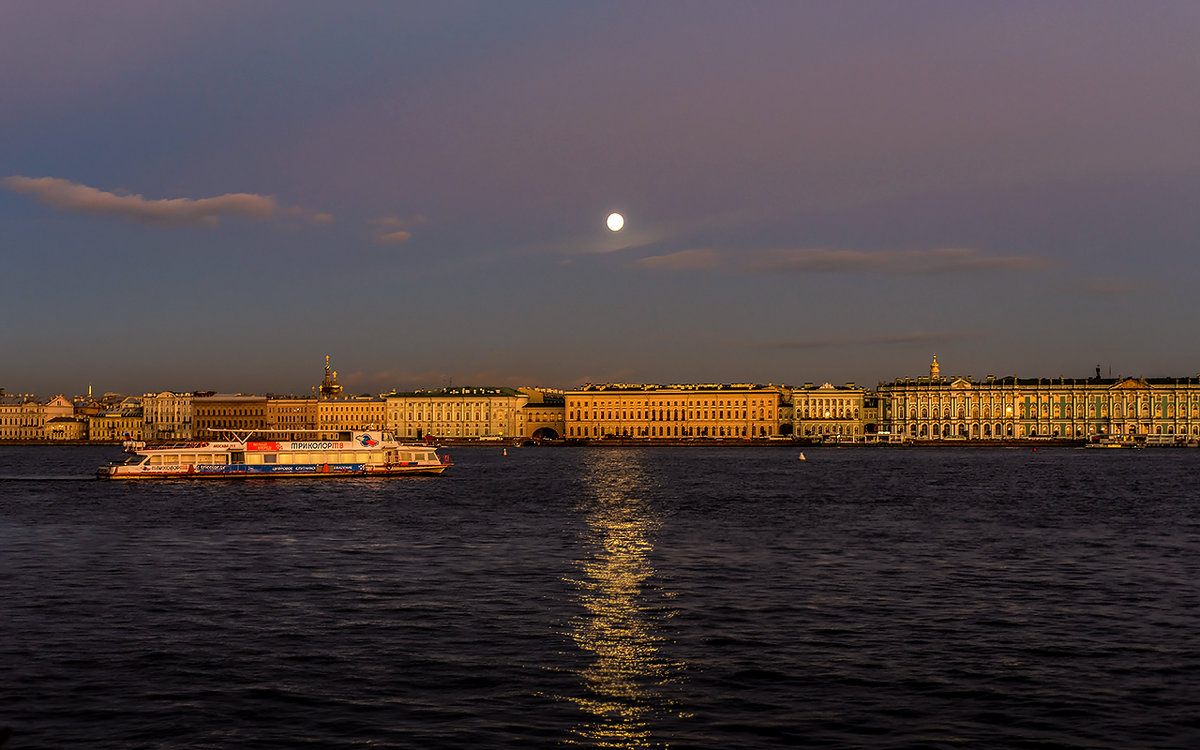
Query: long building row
[(933, 408)]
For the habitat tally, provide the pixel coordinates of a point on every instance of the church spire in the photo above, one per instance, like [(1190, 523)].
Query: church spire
[(934, 370), (329, 386)]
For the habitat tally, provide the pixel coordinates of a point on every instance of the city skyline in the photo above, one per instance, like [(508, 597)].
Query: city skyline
[(215, 196), (318, 390)]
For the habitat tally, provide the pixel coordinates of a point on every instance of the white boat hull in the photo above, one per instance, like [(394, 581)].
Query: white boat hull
[(365, 453)]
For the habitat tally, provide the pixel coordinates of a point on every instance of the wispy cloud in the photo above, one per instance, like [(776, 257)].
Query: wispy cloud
[(824, 260), (394, 238), (395, 229), (701, 259), (64, 195), (316, 218)]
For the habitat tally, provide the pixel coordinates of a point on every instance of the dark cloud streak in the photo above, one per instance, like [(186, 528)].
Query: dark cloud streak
[(824, 260)]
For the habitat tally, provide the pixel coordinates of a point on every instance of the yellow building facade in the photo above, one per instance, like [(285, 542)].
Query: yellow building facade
[(22, 417), (829, 412), (291, 418), (351, 413), (116, 426), (168, 415), (212, 413), (67, 428), (674, 412), (459, 413)]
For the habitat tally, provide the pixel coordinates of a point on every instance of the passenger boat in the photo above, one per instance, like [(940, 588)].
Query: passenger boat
[(251, 454), (1111, 442)]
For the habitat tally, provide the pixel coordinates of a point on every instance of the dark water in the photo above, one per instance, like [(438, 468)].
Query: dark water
[(708, 597)]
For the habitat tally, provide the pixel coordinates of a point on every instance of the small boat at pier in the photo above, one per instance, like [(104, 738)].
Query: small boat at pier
[(251, 454), (1112, 442)]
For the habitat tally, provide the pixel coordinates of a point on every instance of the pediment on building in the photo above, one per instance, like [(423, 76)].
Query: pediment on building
[(961, 383), (1130, 384)]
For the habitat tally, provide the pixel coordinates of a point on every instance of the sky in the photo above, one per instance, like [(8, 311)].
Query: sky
[(217, 195)]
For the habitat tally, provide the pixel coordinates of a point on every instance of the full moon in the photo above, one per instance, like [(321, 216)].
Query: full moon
[(615, 222)]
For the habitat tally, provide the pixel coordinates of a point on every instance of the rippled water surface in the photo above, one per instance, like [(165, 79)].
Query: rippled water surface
[(694, 597)]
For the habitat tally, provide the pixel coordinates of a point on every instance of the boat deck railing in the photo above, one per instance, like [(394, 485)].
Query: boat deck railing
[(187, 445)]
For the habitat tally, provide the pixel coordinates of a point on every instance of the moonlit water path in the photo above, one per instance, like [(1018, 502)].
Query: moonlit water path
[(701, 597)]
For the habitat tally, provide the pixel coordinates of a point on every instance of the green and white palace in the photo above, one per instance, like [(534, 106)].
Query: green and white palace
[(1158, 410)]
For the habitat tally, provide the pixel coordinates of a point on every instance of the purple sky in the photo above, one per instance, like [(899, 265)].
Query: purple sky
[(216, 195)]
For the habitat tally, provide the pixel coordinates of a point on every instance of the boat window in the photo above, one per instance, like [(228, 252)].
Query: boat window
[(269, 458)]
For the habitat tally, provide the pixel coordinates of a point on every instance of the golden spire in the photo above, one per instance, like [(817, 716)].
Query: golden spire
[(934, 370), (329, 386)]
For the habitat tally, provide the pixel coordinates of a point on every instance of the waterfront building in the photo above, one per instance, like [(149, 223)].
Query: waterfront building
[(1010, 408), (872, 427), (16, 420), (289, 413), (545, 415), (23, 417), (122, 422), (168, 415), (674, 411), (460, 413), (340, 413), (67, 428), (223, 411), (829, 413)]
